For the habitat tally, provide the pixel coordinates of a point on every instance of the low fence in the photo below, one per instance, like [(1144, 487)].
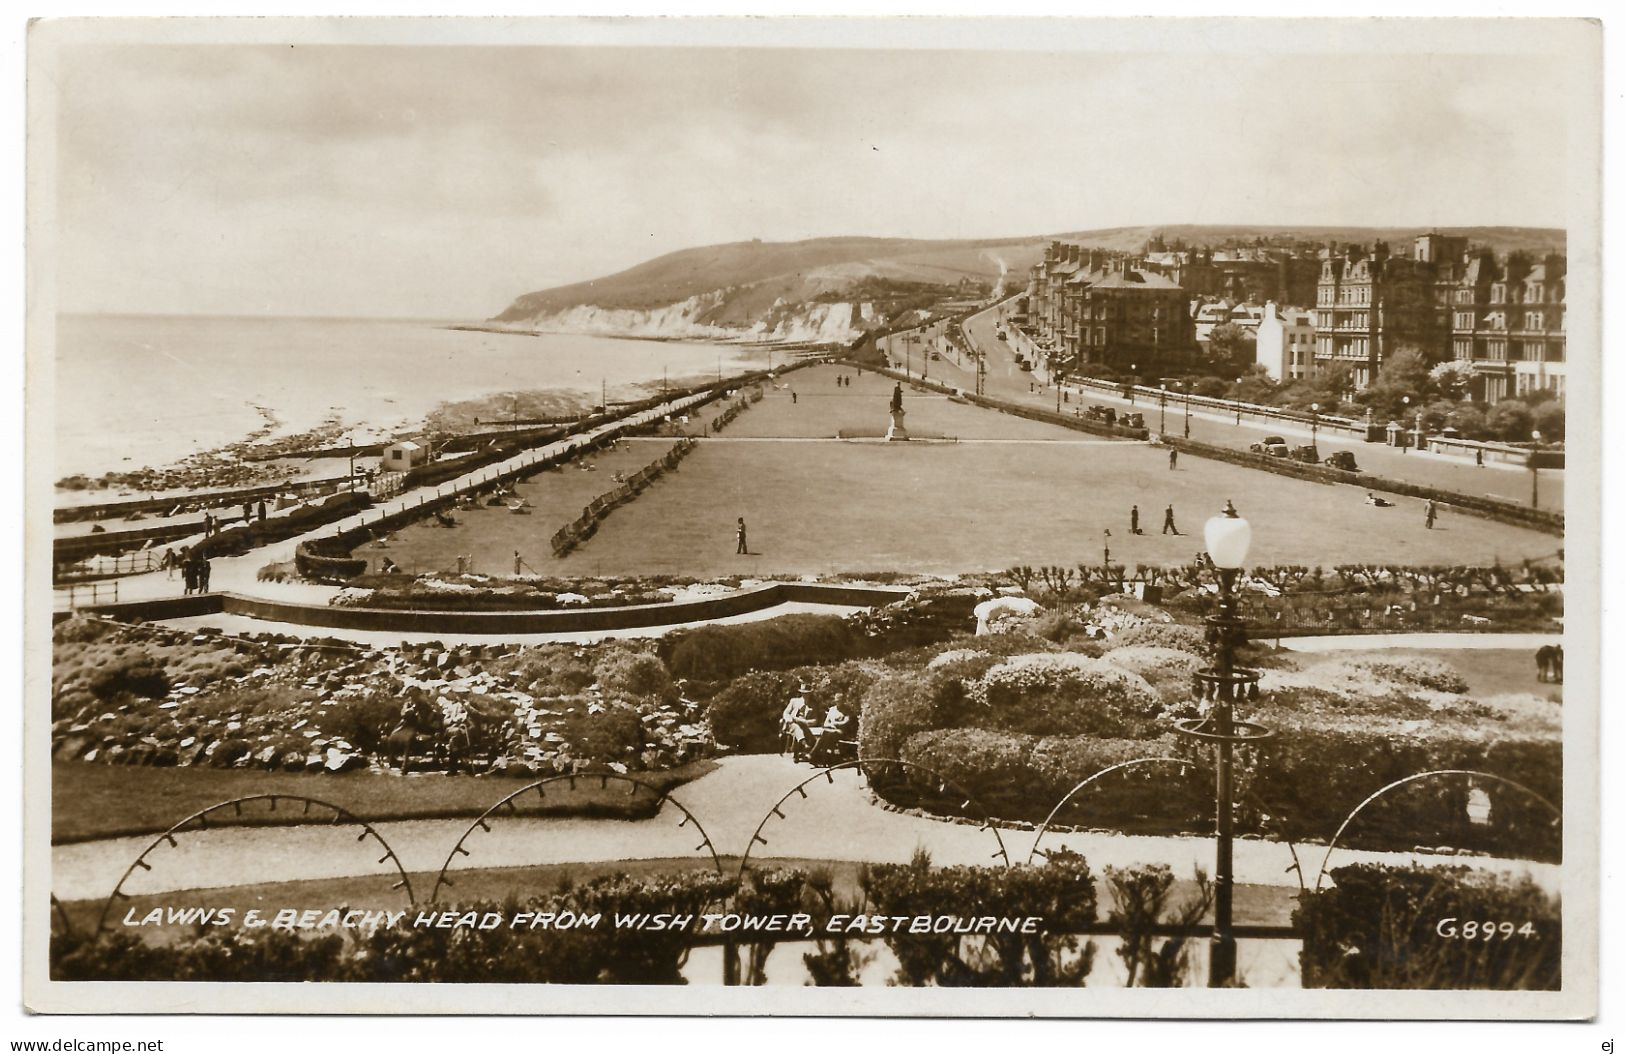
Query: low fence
[(1490, 508), (745, 402), (108, 567), (572, 534), (1229, 406)]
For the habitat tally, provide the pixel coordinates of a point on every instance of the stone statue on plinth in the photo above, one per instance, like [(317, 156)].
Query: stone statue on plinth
[(896, 433)]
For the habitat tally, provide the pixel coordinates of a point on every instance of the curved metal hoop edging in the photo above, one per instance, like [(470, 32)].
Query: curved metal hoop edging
[(540, 787), (1183, 763), (1291, 846), (828, 775), (61, 915), (1332, 845), (201, 818)]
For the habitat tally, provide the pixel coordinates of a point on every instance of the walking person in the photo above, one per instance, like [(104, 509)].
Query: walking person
[(1173, 459), (792, 397), (202, 574), (739, 532), (189, 574), (1168, 521), (248, 511), (1134, 520), (1432, 514)]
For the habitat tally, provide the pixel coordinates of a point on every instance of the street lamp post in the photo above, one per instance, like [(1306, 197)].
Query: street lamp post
[(1133, 373), (1405, 415), (1534, 472), (1314, 427), (1220, 687), (1186, 384), (1162, 411)]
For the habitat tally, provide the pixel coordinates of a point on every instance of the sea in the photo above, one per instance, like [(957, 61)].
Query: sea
[(148, 390)]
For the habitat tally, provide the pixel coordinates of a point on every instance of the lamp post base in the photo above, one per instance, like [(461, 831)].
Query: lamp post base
[(1221, 967)]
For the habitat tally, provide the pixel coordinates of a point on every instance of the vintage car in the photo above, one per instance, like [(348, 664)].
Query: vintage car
[(1342, 459), (1306, 453), (1274, 446), (1101, 413), (1132, 420)]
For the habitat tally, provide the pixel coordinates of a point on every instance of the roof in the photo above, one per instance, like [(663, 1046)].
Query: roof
[(1135, 280), (405, 444)]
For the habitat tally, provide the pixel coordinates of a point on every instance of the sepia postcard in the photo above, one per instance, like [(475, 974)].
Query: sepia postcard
[(979, 517)]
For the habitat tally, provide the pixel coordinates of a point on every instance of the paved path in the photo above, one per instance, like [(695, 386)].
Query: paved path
[(1005, 381), (837, 820)]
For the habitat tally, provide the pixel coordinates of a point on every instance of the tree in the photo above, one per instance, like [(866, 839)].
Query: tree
[(1511, 420), (1256, 386), (1549, 418), (1403, 375), (1232, 345), (1451, 380)]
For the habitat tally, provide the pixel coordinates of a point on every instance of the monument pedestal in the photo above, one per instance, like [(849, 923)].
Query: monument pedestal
[(895, 432)]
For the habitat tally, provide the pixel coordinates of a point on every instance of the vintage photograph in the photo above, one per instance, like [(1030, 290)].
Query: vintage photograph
[(646, 516)]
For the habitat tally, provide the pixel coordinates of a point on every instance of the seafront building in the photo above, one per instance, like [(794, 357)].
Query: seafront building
[(1091, 307), (1285, 342), (1155, 310)]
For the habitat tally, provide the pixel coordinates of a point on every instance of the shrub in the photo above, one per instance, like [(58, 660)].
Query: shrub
[(135, 673), (1419, 671), (638, 674), (550, 669), (714, 652), (1380, 927), (1065, 693), (1164, 635), (82, 630), (900, 705), (362, 722), (992, 766), (1060, 891), (1167, 670)]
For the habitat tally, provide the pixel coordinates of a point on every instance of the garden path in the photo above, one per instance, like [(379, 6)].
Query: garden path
[(837, 820)]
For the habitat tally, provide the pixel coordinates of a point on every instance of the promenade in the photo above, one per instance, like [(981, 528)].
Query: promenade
[(240, 574), (1004, 380)]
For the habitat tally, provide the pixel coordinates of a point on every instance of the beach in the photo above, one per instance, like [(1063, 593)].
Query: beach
[(150, 390)]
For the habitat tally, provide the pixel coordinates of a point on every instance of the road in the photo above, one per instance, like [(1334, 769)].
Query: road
[(1005, 381)]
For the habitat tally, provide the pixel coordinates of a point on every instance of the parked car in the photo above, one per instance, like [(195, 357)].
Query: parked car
[(1101, 413), (1002, 336), (1274, 446), (1342, 459), (1132, 420), (1307, 454)]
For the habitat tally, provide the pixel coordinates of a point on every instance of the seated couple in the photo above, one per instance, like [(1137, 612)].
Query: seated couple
[(804, 736)]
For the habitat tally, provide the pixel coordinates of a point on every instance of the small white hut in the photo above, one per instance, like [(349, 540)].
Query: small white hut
[(403, 455)]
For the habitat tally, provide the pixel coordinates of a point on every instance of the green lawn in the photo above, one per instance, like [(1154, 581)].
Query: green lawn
[(1015, 492), (92, 801)]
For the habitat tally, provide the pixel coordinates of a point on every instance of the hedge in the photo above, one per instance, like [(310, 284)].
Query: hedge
[(1407, 927), (712, 653)]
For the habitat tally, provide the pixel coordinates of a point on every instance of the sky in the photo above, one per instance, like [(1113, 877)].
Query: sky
[(442, 182)]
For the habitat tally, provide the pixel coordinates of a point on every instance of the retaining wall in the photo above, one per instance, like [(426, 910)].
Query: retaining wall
[(517, 622)]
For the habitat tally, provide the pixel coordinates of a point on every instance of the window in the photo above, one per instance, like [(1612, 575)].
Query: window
[(1534, 320)]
